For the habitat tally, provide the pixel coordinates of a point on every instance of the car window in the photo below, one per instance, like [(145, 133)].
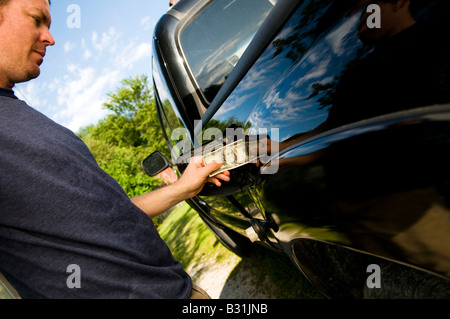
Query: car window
[(171, 119), (216, 38), (318, 74)]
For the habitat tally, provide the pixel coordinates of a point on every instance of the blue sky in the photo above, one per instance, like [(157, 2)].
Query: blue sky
[(112, 42)]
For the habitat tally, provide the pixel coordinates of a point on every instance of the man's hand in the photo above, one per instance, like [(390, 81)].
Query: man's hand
[(190, 184), (196, 176)]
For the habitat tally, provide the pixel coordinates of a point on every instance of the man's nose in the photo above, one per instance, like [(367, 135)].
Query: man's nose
[(47, 38)]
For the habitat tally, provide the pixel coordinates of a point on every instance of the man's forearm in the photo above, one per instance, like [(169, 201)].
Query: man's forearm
[(160, 200), (190, 184)]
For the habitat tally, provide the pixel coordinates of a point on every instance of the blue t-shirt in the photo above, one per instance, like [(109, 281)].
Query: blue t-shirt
[(58, 208)]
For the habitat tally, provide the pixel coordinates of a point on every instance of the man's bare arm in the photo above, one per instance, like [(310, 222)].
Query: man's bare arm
[(190, 184)]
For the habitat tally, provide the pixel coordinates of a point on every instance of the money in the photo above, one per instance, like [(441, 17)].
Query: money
[(232, 155)]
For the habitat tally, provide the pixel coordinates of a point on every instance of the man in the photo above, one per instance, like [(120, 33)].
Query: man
[(405, 66), (395, 16), (58, 210)]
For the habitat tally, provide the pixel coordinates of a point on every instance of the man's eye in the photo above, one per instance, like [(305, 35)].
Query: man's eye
[(37, 20)]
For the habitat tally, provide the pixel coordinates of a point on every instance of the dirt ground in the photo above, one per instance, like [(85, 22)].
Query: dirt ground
[(261, 275)]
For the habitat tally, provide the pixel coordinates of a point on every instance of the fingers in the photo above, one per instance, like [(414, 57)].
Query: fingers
[(197, 164), (214, 181), (211, 167), (225, 176)]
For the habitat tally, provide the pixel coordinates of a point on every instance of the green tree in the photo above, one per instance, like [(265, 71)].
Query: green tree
[(122, 140), (133, 121)]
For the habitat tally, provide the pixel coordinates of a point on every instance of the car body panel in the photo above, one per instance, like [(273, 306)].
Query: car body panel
[(361, 171)]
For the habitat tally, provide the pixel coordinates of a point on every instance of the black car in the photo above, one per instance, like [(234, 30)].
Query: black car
[(355, 187)]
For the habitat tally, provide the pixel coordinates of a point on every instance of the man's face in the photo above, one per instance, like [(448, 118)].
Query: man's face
[(388, 17), (24, 36)]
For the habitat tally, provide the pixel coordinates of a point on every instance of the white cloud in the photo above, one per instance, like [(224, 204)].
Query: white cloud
[(336, 39), (132, 53), (71, 68), (147, 23), (28, 92), (82, 96), (87, 54), (69, 46), (78, 96), (107, 42)]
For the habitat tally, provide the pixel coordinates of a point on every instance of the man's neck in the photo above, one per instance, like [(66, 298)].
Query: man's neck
[(6, 85)]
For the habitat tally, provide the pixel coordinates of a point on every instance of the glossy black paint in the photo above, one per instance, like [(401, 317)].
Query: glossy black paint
[(363, 135)]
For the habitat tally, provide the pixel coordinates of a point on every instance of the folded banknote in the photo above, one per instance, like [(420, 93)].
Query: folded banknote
[(232, 155)]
